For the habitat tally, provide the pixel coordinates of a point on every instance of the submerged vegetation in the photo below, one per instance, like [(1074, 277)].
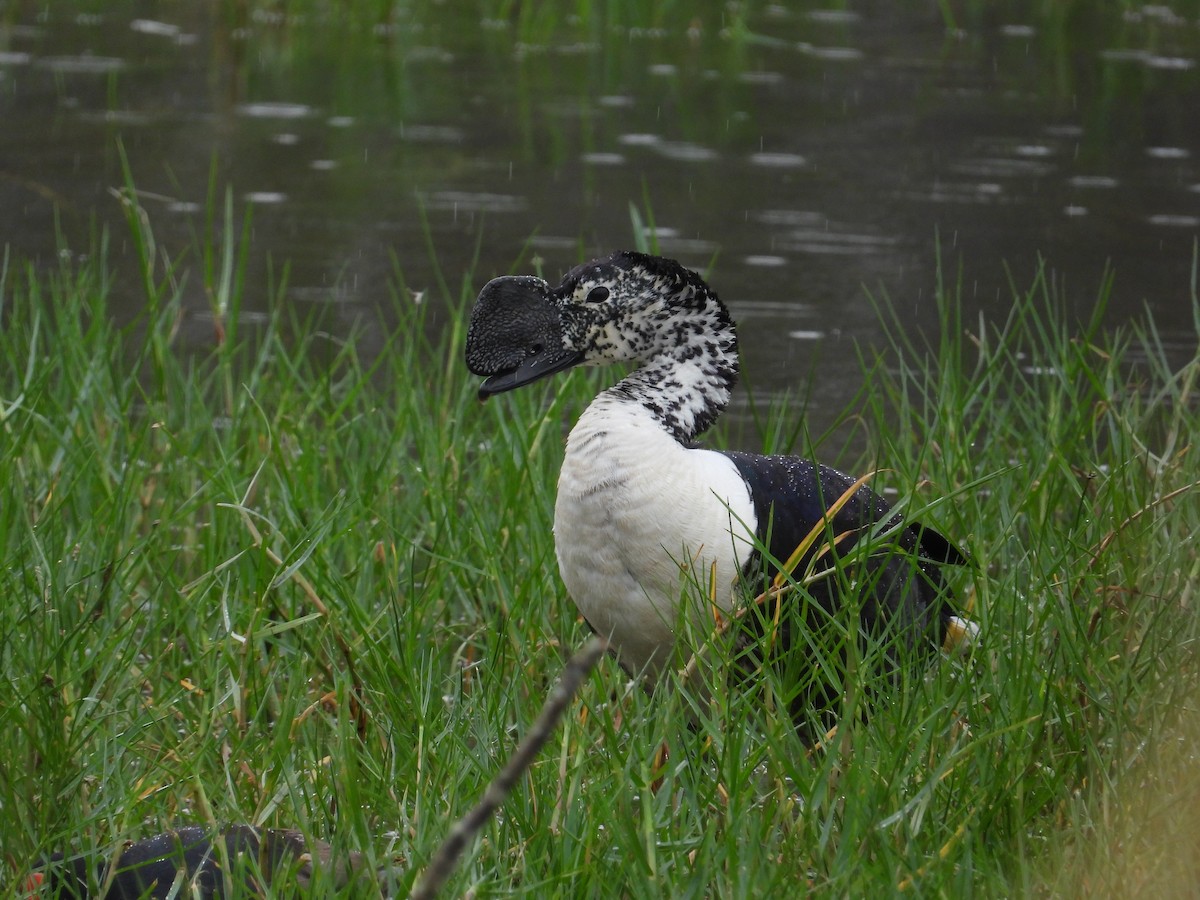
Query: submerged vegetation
[(285, 584)]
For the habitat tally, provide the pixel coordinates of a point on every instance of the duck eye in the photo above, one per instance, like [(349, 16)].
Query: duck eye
[(597, 294)]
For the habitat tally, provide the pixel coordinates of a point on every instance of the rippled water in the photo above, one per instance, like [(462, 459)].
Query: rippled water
[(805, 152)]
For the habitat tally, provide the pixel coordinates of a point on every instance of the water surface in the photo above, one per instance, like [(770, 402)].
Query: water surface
[(807, 154)]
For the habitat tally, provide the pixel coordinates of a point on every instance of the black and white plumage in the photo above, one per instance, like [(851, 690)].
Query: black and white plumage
[(640, 509)]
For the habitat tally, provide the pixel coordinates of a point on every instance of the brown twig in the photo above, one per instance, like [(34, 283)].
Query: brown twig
[(446, 858)]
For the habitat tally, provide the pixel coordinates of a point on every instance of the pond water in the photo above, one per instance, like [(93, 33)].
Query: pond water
[(810, 152)]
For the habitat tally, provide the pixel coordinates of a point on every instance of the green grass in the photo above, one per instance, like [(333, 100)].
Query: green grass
[(283, 584)]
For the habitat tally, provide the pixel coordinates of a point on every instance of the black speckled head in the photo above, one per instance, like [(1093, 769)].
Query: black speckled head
[(627, 307), (632, 307)]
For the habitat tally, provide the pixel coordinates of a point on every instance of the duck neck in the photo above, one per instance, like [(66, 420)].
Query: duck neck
[(683, 392)]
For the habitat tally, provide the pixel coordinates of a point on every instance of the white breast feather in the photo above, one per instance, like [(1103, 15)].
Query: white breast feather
[(633, 505)]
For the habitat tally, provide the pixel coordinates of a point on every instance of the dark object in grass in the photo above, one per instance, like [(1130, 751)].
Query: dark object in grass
[(638, 502), (186, 862), (189, 862)]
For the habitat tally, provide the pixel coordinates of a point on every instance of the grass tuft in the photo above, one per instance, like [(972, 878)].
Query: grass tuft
[(283, 584)]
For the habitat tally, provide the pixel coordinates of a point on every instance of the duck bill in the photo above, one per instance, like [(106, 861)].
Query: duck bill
[(515, 336), (530, 370)]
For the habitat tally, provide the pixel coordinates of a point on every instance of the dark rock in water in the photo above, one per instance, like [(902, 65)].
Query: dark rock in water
[(241, 860)]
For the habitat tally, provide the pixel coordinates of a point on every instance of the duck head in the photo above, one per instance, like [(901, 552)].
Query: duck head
[(627, 307)]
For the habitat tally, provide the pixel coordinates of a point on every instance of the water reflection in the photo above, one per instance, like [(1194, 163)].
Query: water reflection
[(465, 201), (275, 110), (603, 158), (80, 65), (1092, 181), (161, 29), (807, 151), (759, 259), (778, 160), (1174, 220), (682, 151)]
